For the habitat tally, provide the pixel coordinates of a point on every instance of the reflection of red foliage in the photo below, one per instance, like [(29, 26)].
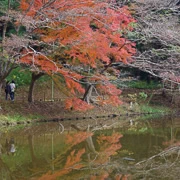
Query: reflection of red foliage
[(76, 138), (172, 142), (122, 177), (114, 138), (73, 158), (72, 162), (103, 176), (108, 146)]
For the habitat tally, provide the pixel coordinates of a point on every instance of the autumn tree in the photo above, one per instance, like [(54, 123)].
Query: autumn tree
[(90, 33)]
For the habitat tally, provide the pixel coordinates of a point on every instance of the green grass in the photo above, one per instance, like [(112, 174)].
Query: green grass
[(19, 117), (154, 109)]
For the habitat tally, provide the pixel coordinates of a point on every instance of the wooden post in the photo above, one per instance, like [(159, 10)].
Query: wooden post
[(44, 96), (23, 97), (52, 90)]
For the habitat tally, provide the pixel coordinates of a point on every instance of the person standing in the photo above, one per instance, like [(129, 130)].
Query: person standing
[(12, 86), (7, 90)]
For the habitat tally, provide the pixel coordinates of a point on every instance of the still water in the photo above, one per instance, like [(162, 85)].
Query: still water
[(110, 149)]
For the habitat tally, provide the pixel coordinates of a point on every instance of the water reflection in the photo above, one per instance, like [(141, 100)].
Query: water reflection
[(10, 146), (147, 149)]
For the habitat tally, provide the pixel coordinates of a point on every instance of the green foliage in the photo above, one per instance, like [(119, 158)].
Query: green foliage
[(144, 85), (20, 76), (93, 26), (10, 29), (44, 78), (143, 130), (143, 95), (14, 4), (23, 77), (22, 30), (136, 97), (164, 12), (132, 35), (174, 47)]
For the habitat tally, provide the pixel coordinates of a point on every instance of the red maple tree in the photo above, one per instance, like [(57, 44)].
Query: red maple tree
[(91, 34)]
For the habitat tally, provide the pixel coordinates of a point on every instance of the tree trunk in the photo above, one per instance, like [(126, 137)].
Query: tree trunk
[(89, 141), (31, 87), (90, 145), (87, 95), (6, 69), (30, 141)]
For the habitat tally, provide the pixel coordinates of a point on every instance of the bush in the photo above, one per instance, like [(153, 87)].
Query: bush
[(143, 95)]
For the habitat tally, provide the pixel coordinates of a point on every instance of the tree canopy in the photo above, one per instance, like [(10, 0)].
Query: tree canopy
[(76, 42)]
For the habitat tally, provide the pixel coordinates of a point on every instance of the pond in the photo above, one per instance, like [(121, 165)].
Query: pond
[(114, 148)]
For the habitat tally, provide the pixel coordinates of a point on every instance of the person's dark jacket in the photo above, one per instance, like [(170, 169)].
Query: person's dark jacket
[(8, 88)]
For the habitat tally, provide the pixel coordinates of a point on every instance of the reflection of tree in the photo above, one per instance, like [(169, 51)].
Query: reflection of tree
[(173, 135), (164, 165), (87, 159), (88, 154), (5, 172), (90, 145), (33, 157)]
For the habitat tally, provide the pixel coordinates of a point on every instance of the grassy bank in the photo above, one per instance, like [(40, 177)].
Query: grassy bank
[(135, 102), (18, 113), (138, 99)]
